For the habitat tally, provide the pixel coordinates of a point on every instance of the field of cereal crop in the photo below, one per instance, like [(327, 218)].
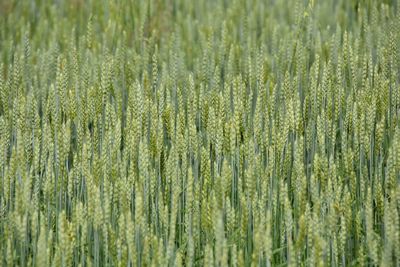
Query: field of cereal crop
[(199, 133)]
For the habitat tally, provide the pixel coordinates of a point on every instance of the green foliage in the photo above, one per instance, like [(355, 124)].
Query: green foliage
[(199, 133)]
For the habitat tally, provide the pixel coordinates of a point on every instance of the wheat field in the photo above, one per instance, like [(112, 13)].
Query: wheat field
[(199, 133)]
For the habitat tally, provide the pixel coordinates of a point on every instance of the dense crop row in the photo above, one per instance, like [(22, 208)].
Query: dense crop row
[(199, 133)]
